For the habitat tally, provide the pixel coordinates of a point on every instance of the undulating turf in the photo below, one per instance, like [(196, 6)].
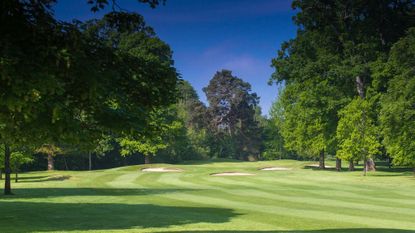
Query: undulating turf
[(129, 200)]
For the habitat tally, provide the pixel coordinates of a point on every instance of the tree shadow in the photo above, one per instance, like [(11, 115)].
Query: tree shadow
[(33, 179), (346, 230), (399, 171), (312, 167), (210, 161), (20, 193), (395, 169), (42, 216)]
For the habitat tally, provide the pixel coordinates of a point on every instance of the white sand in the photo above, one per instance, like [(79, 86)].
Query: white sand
[(232, 174), (275, 169), (317, 166), (161, 169)]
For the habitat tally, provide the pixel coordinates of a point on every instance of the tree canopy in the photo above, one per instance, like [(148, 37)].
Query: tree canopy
[(231, 112), (72, 82)]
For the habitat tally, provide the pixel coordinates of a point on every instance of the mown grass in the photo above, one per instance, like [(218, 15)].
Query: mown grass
[(129, 200)]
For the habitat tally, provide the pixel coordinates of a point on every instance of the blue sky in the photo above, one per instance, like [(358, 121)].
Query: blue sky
[(210, 35)]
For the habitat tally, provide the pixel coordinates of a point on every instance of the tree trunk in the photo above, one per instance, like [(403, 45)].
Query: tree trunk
[(321, 160), (1, 174), (220, 151), (90, 160), (147, 159), (371, 166), (364, 167), (351, 165), (51, 166), (66, 164), (7, 170), (338, 164), (17, 177), (360, 86)]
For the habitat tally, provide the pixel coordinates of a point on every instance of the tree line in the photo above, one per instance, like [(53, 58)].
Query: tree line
[(104, 93), (76, 83), (348, 80), (108, 88)]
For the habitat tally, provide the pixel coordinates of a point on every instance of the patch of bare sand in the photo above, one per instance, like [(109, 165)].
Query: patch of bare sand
[(161, 169), (275, 169), (232, 174), (317, 166)]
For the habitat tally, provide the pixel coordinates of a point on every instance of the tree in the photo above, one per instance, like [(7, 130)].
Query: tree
[(193, 112), (398, 103), (18, 158), (357, 134), (30, 57), (190, 108), (232, 116), (104, 145), (306, 129), (51, 151), (96, 5), (314, 91), (57, 78), (336, 45), (163, 124), (273, 140)]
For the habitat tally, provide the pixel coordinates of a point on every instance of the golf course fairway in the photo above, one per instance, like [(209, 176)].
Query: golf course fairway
[(187, 198)]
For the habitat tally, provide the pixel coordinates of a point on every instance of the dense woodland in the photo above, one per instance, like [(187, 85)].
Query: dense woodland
[(105, 93)]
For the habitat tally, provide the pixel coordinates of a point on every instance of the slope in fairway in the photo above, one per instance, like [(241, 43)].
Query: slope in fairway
[(129, 200)]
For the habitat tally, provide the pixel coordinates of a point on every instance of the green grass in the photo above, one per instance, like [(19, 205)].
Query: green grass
[(128, 200)]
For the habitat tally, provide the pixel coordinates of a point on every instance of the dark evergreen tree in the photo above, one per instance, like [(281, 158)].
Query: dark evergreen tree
[(231, 115)]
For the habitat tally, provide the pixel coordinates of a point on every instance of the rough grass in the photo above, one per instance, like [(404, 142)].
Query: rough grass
[(129, 200)]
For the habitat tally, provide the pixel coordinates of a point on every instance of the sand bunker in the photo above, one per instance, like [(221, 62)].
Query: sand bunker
[(275, 169), (232, 174), (161, 169), (317, 166)]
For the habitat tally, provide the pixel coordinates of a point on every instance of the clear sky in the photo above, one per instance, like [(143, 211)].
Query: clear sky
[(210, 35)]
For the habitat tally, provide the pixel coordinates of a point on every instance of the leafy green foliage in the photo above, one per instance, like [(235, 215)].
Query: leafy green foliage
[(18, 158), (338, 54), (273, 140), (164, 125), (398, 104), (71, 83), (357, 133), (193, 114), (49, 149)]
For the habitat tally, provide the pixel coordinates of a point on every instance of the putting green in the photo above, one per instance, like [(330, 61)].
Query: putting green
[(127, 199)]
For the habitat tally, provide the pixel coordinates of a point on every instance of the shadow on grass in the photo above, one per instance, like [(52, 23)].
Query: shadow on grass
[(43, 179), (348, 230), (21, 193), (210, 161), (332, 169), (31, 178), (42, 216), (394, 171)]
